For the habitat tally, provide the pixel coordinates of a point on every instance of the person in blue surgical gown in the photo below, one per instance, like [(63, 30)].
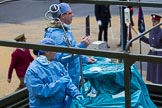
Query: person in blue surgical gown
[(48, 82), (56, 32), (64, 37)]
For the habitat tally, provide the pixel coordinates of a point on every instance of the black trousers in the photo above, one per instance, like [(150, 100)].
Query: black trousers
[(103, 29)]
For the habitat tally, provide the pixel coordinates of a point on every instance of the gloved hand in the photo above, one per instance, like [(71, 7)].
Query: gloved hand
[(140, 36), (152, 49), (85, 41), (99, 22), (64, 79), (139, 33), (91, 60), (81, 100)]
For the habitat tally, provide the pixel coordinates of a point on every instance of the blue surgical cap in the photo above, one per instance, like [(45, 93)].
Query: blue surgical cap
[(46, 41), (64, 8)]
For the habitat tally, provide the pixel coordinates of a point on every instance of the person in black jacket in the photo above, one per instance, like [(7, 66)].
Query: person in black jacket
[(103, 18)]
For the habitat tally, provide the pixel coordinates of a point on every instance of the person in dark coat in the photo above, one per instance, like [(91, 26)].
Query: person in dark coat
[(154, 70), (103, 18)]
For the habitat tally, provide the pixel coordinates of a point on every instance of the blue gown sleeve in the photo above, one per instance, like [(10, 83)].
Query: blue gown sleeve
[(41, 89)]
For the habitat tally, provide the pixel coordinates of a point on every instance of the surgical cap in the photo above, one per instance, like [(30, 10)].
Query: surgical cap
[(46, 41), (64, 8)]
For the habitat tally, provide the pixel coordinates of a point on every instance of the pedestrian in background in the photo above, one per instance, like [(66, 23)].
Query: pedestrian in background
[(48, 82), (103, 18), (20, 60), (154, 70)]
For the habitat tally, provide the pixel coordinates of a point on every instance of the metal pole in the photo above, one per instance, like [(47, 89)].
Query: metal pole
[(127, 84), (140, 53)]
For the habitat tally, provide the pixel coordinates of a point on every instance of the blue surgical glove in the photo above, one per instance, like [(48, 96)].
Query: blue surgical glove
[(81, 100), (64, 79)]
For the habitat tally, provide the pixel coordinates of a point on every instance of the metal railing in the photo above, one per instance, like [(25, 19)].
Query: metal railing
[(118, 2), (128, 58), (18, 99), (142, 34)]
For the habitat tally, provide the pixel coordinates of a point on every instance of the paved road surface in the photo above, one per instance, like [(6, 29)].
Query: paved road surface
[(23, 10)]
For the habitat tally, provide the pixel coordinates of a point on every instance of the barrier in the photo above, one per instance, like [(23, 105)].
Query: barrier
[(155, 92), (18, 99)]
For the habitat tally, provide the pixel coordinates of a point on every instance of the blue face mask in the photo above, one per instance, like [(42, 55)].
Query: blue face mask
[(67, 27)]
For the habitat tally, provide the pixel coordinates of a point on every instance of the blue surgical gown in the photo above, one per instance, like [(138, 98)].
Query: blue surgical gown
[(72, 63), (48, 84)]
